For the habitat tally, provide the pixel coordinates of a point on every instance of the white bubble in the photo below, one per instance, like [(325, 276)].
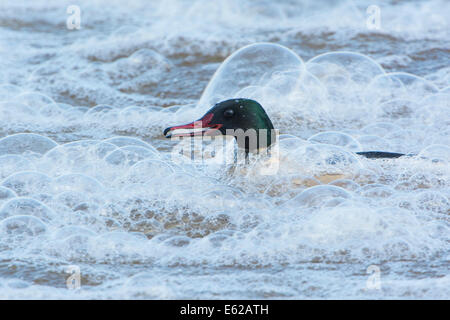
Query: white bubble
[(433, 201), (22, 225), (26, 142), (72, 199), (101, 113), (13, 112), (10, 164), (434, 111), (8, 91), (129, 155), (287, 143), (346, 184), (376, 191), (178, 241), (254, 65), (373, 143), (84, 156), (399, 108), (336, 138), (35, 100), (28, 207), (52, 110), (69, 231), (6, 193), (436, 153), (318, 196), (380, 128), (360, 68), (287, 187), (28, 183), (129, 141), (322, 161), (148, 170), (397, 85), (77, 182)]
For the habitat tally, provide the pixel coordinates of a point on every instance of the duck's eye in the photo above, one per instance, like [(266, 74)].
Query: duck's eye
[(228, 113)]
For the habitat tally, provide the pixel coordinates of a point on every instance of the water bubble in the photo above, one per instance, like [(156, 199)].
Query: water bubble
[(360, 68), (324, 162), (35, 100), (406, 141), (344, 75), (336, 138), (84, 156), (434, 111), (72, 199), (149, 58), (424, 180), (288, 143), (398, 108), (6, 193), (433, 201), (140, 70), (10, 164), (376, 191), (44, 71), (13, 111), (397, 85), (52, 110), (77, 182), (318, 196), (258, 93), (125, 31), (101, 113), (148, 170), (129, 141), (247, 67), (346, 184), (220, 199), (373, 142), (135, 114), (436, 153), (26, 142), (28, 207), (8, 91), (149, 286), (18, 284), (22, 225), (119, 245), (177, 241), (28, 183), (380, 128), (75, 113), (286, 136), (286, 187), (69, 231), (129, 155)]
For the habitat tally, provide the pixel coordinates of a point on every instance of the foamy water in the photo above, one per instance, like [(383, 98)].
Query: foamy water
[(89, 183)]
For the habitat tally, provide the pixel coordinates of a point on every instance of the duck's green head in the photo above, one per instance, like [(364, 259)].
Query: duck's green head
[(241, 118)]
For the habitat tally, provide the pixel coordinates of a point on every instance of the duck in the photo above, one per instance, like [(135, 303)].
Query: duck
[(247, 121)]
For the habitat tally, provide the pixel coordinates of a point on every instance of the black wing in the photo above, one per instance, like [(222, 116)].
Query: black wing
[(380, 154)]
